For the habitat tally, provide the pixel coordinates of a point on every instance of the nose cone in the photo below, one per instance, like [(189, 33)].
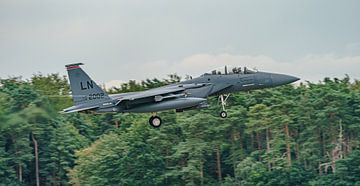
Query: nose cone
[(281, 79)]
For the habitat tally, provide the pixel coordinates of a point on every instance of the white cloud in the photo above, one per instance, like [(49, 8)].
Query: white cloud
[(316, 67), (113, 83), (353, 48)]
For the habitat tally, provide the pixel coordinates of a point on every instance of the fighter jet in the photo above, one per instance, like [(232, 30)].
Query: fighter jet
[(190, 94)]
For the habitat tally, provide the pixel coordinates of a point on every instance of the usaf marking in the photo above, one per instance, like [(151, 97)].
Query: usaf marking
[(89, 85)]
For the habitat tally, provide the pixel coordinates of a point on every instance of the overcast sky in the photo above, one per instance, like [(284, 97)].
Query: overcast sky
[(134, 39)]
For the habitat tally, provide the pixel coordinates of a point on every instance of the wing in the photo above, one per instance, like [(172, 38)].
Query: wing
[(134, 99), (158, 94)]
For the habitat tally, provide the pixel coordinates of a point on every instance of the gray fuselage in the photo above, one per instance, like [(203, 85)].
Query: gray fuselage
[(88, 97), (196, 91)]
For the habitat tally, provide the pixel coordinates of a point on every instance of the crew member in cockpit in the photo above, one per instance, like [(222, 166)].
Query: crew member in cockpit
[(236, 70)]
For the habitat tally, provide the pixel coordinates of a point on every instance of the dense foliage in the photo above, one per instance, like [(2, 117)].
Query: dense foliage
[(303, 135)]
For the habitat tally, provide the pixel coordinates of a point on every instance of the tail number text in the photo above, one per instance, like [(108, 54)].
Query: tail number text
[(96, 96)]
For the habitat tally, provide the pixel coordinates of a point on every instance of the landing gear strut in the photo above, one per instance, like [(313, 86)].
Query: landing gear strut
[(223, 98), (155, 121)]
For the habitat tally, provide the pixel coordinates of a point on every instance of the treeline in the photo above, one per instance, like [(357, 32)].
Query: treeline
[(302, 135)]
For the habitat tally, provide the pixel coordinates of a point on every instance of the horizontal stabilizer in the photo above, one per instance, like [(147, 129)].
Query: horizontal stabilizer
[(78, 109)]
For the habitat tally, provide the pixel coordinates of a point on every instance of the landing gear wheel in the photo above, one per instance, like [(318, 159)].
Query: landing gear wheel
[(155, 121), (223, 114)]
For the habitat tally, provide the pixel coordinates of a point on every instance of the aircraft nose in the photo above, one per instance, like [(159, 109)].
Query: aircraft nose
[(281, 79)]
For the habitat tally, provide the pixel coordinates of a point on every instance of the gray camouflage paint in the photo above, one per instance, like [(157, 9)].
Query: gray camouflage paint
[(189, 94)]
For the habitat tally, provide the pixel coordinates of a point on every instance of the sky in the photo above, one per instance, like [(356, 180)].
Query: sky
[(119, 40)]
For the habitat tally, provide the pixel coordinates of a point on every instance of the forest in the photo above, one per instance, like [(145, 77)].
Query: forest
[(305, 134)]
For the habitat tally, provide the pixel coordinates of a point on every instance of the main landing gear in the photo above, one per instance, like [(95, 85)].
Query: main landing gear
[(155, 121), (223, 98)]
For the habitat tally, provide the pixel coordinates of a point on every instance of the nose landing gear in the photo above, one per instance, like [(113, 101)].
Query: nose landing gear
[(223, 114), (223, 98)]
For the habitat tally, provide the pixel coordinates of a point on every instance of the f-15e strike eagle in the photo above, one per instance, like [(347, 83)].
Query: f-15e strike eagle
[(88, 97)]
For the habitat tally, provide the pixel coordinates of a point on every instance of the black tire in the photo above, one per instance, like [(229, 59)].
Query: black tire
[(223, 114), (155, 121)]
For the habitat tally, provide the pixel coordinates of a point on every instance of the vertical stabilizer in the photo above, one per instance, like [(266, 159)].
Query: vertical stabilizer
[(84, 89)]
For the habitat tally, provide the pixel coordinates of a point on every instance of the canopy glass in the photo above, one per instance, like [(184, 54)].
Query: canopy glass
[(227, 70)]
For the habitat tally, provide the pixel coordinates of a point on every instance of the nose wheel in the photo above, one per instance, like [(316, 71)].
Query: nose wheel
[(223, 98), (155, 121), (223, 114)]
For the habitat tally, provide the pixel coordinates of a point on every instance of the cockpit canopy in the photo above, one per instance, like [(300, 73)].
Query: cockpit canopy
[(227, 70)]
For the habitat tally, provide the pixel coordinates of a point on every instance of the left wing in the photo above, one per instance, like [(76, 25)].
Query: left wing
[(158, 94)]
